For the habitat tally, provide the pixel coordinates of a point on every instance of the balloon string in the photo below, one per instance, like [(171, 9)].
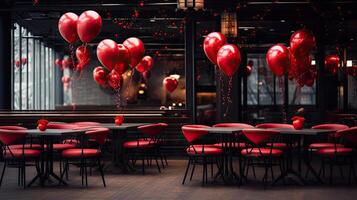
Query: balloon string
[(229, 98), (282, 88), (129, 84)]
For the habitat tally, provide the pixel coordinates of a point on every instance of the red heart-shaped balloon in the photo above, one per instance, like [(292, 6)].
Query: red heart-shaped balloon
[(170, 83), (119, 120), (67, 26), (100, 76), (278, 59), (302, 42), (107, 53), (145, 64), (114, 79), (228, 59), (83, 56), (136, 50), (122, 59), (212, 43), (331, 63), (89, 25)]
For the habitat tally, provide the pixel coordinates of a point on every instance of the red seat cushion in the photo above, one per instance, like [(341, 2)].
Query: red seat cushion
[(323, 145), (264, 152), (17, 153), (207, 150), (26, 146), (279, 145), (61, 147), (138, 144), (233, 145), (77, 153), (334, 151)]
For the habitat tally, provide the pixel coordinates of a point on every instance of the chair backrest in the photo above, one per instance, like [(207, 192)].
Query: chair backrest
[(274, 125), (60, 126), (259, 136), (335, 127), (13, 128), (194, 132), (235, 125), (152, 130), (8, 137), (86, 124), (98, 135), (349, 134)]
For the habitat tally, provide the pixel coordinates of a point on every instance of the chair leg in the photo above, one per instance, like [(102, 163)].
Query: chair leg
[(101, 171), (203, 170), (157, 164), (143, 165), (24, 175), (331, 171), (86, 172), (187, 168), (3, 172)]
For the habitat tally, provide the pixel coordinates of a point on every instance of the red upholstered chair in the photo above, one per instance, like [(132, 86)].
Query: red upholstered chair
[(87, 124), (236, 145), (281, 145), (260, 154), (29, 145), (85, 156), (146, 145), (17, 157), (198, 152), (338, 154), (333, 136)]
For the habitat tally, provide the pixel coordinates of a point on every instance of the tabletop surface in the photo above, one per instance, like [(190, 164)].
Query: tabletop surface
[(231, 130), (124, 126), (53, 132)]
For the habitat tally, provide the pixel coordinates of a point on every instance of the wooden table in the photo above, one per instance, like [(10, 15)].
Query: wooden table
[(46, 159)]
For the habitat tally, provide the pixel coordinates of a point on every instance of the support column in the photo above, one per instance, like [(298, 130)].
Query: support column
[(5, 60), (190, 68)]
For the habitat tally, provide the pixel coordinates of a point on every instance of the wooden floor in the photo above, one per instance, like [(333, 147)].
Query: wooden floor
[(167, 185)]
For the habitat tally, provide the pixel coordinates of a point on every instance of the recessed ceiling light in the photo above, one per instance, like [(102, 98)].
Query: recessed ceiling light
[(282, 21)]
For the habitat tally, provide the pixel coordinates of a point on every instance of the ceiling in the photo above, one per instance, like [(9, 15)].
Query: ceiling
[(161, 26)]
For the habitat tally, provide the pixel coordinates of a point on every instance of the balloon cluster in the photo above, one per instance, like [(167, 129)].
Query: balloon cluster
[(66, 80), (21, 63), (116, 57), (294, 60), (64, 63), (226, 56), (86, 27)]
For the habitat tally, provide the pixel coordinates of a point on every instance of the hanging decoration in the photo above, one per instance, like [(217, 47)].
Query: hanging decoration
[(89, 25), (114, 79), (122, 59), (249, 67), (229, 26), (136, 50), (100, 76), (66, 81), (67, 62), (58, 63), (212, 43), (331, 63), (170, 83), (67, 26), (83, 57), (228, 59), (145, 64), (278, 59), (23, 61)]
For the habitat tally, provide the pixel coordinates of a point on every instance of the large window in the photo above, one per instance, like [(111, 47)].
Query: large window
[(32, 72), (266, 89)]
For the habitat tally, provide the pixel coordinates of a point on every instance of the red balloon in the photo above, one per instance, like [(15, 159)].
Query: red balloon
[(146, 75), (23, 61), (278, 59), (302, 42), (249, 70), (122, 59), (89, 25), (212, 43), (228, 59), (58, 62), (136, 50), (66, 79), (170, 83), (298, 122), (331, 63), (114, 79), (67, 62), (145, 64), (107, 53), (67, 26), (100, 76), (83, 56), (119, 120)]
